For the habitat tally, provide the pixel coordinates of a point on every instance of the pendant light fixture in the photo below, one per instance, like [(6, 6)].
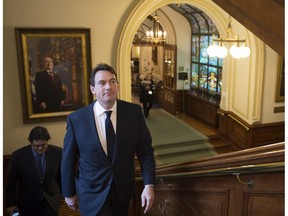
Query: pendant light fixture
[(238, 50), (155, 35)]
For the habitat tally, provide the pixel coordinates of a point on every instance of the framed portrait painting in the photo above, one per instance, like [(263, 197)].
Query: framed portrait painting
[(54, 68)]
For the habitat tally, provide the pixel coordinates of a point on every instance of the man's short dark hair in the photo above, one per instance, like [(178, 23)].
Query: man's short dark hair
[(101, 66), (39, 133)]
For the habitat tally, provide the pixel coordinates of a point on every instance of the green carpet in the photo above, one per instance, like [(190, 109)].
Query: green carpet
[(174, 141)]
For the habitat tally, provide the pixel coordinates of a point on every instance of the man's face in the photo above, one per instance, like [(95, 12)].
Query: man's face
[(48, 62), (40, 146), (105, 89)]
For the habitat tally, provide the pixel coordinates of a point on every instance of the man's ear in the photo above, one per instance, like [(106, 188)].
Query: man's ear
[(92, 89)]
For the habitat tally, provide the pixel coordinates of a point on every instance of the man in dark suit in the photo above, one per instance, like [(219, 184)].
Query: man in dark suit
[(103, 183), (33, 186), (49, 94), (147, 94)]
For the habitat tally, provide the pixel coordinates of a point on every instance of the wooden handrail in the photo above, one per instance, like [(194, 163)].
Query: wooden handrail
[(261, 168), (263, 157)]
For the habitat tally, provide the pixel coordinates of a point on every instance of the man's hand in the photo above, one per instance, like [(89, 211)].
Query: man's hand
[(11, 209), (43, 105), (72, 202), (147, 197)]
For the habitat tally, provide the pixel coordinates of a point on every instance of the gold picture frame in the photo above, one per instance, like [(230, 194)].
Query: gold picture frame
[(70, 51), (280, 84)]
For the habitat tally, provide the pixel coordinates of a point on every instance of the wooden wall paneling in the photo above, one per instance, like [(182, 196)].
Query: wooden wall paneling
[(190, 191), (267, 133), (267, 198), (237, 133), (244, 135), (202, 109), (263, 204), (222, 123), (219, 196), (235, 203), (189, 197), (180, 100)]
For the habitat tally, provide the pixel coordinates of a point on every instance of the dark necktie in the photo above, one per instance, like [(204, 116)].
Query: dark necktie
[(51, 75), (110, 135), (39, 165)]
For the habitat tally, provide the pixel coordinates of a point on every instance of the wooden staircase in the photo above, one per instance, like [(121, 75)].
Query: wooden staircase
[(220, 144)]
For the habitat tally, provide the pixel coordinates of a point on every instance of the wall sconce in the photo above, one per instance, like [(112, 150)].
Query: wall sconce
[(238, 50)]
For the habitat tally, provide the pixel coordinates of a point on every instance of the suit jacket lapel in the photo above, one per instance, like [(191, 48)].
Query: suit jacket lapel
[(49, 162), (31, 161), (120, 126)]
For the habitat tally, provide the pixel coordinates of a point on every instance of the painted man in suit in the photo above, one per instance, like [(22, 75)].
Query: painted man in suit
[(48, 86), (33, 186), (103, 185)]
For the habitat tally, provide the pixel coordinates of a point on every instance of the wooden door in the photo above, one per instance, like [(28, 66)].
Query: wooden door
[(169, 78)]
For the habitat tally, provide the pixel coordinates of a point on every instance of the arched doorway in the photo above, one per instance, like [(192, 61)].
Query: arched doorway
[(134, 20)]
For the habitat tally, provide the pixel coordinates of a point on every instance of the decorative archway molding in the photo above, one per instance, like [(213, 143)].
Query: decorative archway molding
[(132, 23), (255, 62)]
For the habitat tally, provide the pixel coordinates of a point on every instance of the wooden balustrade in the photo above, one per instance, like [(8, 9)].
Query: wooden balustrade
[(247, 182)]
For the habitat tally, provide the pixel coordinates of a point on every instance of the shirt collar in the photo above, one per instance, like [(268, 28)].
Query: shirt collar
[(100, 110), (35, 153)]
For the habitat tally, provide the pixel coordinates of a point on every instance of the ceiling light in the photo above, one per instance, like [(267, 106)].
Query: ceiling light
[(238, 50), (155, 35)]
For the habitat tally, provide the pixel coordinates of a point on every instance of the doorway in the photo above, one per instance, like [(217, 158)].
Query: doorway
[(159, 62)]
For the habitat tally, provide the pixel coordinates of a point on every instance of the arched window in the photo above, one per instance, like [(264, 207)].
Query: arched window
[(206, 72)]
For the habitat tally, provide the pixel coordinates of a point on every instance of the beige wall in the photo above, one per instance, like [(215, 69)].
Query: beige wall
[(104, 18)]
